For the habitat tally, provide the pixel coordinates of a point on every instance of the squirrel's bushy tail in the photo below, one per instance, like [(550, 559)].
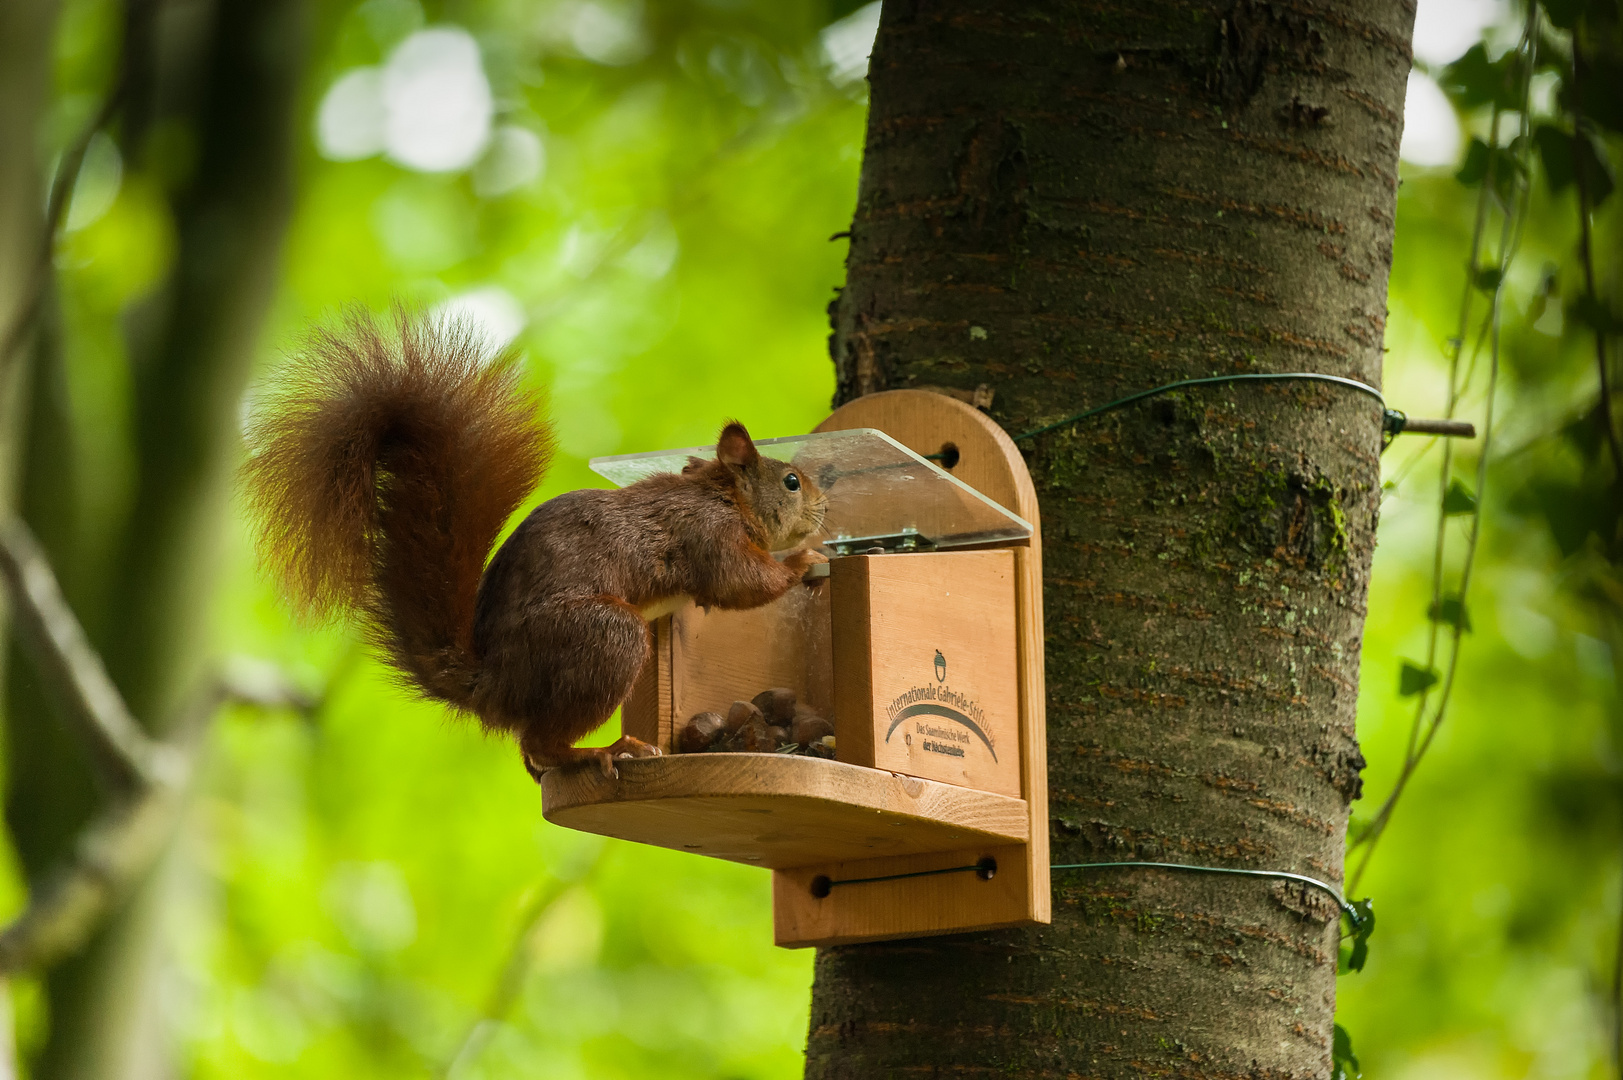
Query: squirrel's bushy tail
[(382, 464)]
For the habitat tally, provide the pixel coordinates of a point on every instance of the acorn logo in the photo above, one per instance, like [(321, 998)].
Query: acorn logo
[(921, 703)]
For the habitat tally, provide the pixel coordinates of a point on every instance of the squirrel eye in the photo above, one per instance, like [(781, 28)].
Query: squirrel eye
[(792, 482)]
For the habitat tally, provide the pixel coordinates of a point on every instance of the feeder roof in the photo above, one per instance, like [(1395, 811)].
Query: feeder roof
[(880, 493)]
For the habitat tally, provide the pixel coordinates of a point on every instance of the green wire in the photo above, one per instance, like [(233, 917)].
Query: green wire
[(1392, 423), (1348, 908), (1289, 376)]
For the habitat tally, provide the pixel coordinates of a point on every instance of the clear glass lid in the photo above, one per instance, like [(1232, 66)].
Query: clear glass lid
[(880, 493)]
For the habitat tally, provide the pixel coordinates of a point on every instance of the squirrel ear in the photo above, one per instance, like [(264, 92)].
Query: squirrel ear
[(735, 448)]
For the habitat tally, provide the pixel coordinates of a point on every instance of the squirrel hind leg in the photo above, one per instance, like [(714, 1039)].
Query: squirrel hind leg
[(539, 759), (580, 659)]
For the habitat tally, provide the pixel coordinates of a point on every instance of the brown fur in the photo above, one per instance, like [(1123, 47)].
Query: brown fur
[(384, 465)]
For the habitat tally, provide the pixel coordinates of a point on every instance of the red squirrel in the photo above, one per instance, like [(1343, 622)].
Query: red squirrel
[(383, 465)]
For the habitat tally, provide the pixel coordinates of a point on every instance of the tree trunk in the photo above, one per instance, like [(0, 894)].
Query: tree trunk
[(193, 346), (229, 74), (1071, 203), (26, 28)]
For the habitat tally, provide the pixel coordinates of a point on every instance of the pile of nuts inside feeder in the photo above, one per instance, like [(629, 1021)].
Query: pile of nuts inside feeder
[(771, 724)]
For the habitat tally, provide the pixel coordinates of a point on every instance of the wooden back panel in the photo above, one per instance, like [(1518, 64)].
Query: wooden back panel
[(988, 461)]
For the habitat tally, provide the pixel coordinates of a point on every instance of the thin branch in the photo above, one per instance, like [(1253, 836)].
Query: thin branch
[(8, 1032), (117, 849), (1423, 731), (113, 852), (1617, 995), (1455, 392), (1587, 257), (1617, 1000), (73, 669), (56, 208), (509, 983)]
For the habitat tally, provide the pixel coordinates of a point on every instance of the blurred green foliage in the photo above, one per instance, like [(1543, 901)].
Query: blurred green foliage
[(1498, 883), (369, 890)]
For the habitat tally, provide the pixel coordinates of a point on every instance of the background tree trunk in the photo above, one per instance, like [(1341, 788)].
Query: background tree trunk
[(1071, 203), (228, 75), (26, 30)]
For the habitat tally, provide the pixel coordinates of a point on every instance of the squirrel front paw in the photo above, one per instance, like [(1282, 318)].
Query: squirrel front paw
[(804, 559)]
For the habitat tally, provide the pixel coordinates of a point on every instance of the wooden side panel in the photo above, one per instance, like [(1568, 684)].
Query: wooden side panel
[(853, 659), (646, 713), (925, 676), (1028, 570)]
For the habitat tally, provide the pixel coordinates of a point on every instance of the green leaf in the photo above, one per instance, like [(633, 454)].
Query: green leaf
[(1565, 156), (1358, 956), (1481, 159), (1596, 170), (1488, 279), (1473, 80), (1343, 1062), (1475, 166), (1362, 927), (1584, 433), (1458, 499), (1593, 313), (1451, 612), (1574, 512), (1413, 679), (1549, 285), (1564, 13), (1602, 91), (1555, 154)]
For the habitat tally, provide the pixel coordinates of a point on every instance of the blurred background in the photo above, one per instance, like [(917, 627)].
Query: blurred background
[(640, 197)]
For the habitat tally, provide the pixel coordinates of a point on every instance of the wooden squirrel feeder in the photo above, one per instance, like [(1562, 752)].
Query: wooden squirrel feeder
[(924, 648)]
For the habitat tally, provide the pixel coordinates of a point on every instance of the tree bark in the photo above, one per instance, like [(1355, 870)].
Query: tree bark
[(192, 346), (1070, 203), (26, 28), (227, 73)]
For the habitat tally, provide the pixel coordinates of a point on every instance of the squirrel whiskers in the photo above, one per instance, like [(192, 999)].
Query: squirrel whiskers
[(382, 467)]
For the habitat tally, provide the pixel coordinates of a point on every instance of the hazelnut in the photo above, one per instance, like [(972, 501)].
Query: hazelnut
[(740, 714), (761, 737), (809, 727), (777, 705), (700, 733)]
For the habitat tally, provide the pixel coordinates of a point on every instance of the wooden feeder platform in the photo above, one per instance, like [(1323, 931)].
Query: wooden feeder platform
[(859, 852), (780, 811)]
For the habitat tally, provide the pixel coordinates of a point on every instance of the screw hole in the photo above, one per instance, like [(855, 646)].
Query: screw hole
[(948, 455), (986, 869), (821, 886)]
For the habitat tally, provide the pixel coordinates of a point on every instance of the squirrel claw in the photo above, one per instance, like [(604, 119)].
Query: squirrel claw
[(629, 747)]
